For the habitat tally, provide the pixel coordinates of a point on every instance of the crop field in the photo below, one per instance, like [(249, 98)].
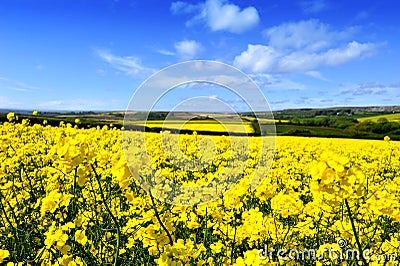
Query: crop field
[(199, 125), (67, 197), (389, 117), (266, 121)]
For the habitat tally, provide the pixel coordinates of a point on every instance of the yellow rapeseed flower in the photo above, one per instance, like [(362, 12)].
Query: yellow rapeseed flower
[(80, 237), (11, 116), (4, 253)]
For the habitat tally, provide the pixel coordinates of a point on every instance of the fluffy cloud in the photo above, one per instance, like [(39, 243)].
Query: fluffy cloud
[(257, 58), (370, 88), (309, 35), (219, 15), (302, 61), (367, 85), (314, 6), (165, 52), (300, 47), (188, 49), (15, 85), (316, 75), (396, 85), (273, 82), (127, 64), (6, 103), (79, 104)]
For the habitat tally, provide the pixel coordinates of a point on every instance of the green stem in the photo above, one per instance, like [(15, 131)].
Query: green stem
[(360, 249), (234, 240), (205, 231), (4, 211), (159, 220), (112, 216)]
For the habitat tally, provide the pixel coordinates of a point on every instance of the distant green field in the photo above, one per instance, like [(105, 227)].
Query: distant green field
[(389, 117)]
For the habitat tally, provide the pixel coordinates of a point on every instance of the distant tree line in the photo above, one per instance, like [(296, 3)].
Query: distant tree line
[(311, 113), (349, 123), (341, 122), (381, 126)]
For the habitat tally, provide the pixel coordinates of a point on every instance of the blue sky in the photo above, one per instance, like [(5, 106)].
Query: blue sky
[(93, 55)]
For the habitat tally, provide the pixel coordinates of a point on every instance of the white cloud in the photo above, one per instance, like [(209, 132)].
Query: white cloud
[(128, 64), (316, 75), (219, 15), (165, 52), (188, 49), (257, 58), (370, 88), (302, 61), (271, 83), (6, 103), (301, 47), (307, 34), (314, 6), (14, 85), (183, 7), (50, 104), (18, 89), (79, 104)]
